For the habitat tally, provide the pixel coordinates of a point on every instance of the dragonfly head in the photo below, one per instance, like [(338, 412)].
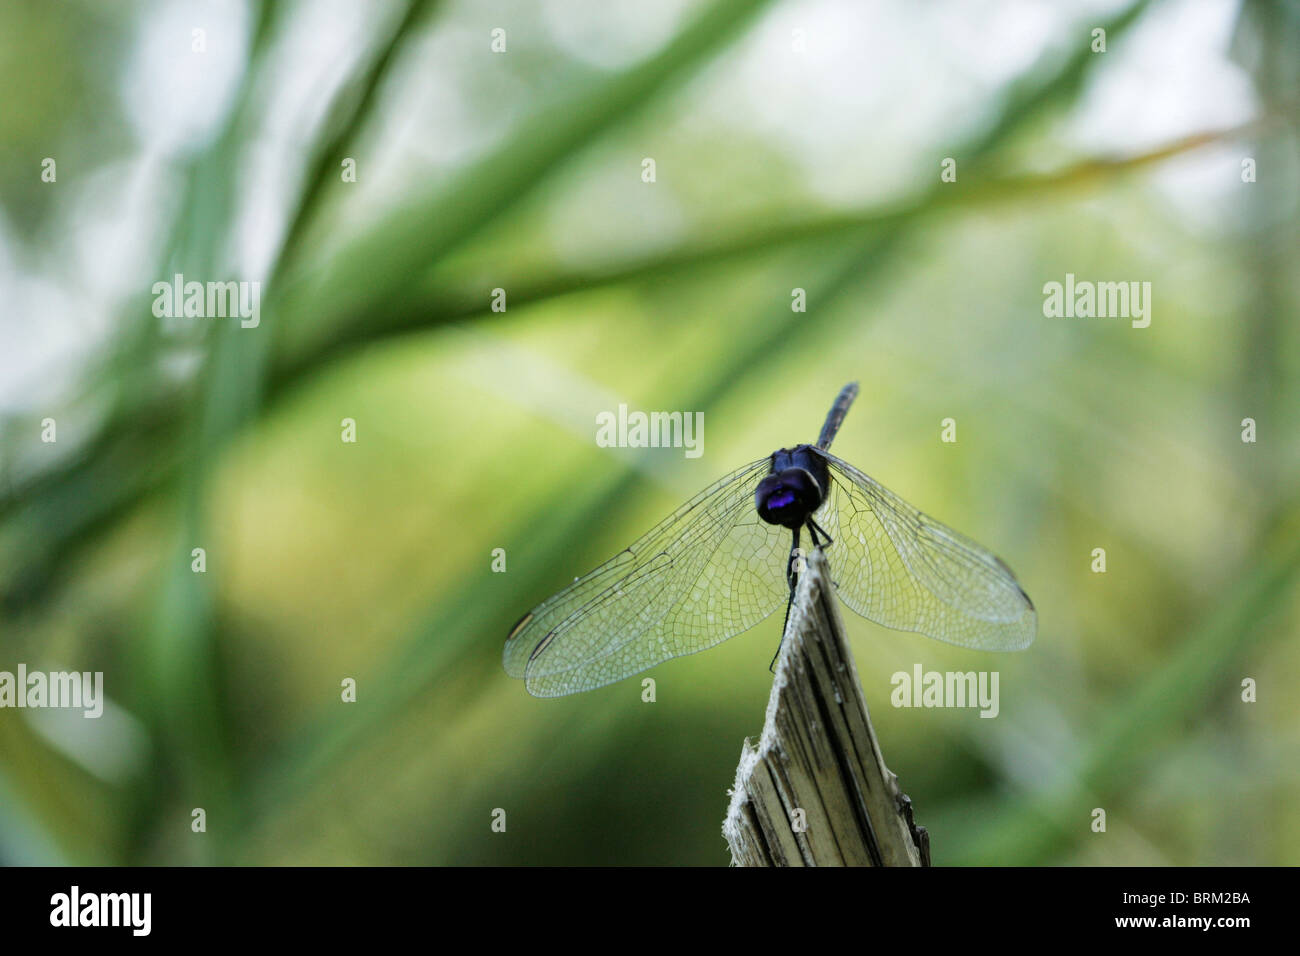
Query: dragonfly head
[(792, 491)]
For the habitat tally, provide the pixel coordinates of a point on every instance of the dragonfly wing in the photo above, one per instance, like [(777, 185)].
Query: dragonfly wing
[(903, 569), (709, 571)]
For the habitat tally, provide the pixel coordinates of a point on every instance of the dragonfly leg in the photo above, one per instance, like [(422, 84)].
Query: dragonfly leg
[(813, 529), (792, 578)]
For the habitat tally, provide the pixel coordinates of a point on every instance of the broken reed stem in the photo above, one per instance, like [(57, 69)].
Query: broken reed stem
[(815, 790)]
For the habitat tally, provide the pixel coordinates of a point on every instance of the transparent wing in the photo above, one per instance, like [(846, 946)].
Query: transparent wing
[(901, 568), (706, 573)]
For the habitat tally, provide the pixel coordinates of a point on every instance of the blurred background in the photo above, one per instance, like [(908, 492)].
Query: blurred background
[(797, 144)]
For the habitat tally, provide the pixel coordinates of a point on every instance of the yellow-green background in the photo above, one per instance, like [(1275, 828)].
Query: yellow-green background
[(776, 169)]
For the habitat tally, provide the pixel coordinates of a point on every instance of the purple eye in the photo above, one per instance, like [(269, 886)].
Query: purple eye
[(781, 499), (790, 493)]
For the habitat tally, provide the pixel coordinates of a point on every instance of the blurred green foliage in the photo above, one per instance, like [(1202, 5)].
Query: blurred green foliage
[(373, 561)]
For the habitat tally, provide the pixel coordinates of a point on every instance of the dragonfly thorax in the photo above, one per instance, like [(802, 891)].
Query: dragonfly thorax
[(794, 488)]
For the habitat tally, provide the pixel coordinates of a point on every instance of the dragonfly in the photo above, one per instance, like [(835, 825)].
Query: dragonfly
[(730, 557)]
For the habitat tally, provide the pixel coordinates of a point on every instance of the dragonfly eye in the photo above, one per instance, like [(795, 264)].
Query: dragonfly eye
[(781, 498), (787, 498)]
